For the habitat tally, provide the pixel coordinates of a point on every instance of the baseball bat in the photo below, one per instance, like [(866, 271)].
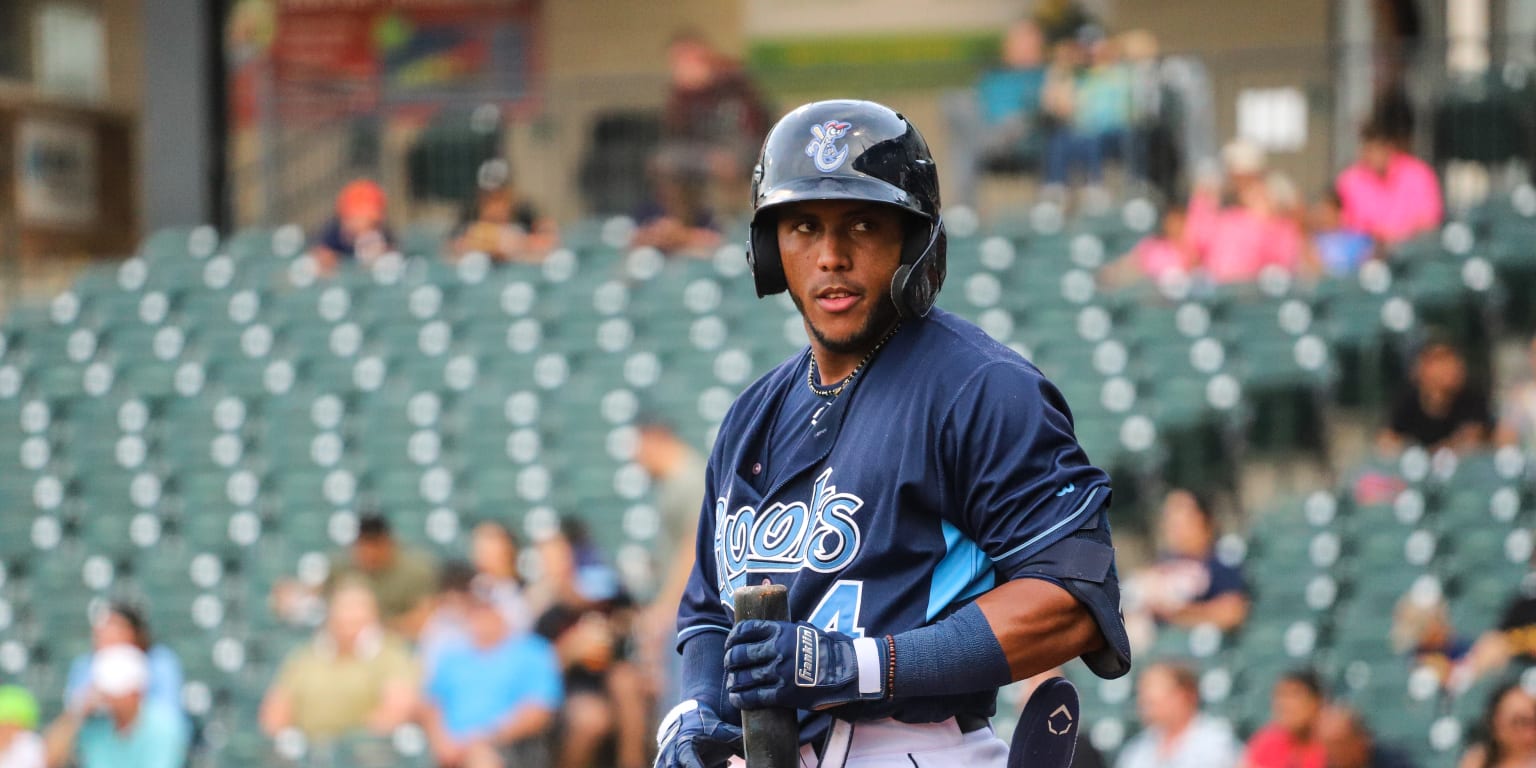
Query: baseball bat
[(1046, 736), (771, 736)]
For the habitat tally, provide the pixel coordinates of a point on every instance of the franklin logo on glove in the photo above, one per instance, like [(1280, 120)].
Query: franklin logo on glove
[(805, 665)]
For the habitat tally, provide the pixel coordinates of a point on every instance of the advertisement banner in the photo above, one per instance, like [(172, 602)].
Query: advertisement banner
[(328, 59)]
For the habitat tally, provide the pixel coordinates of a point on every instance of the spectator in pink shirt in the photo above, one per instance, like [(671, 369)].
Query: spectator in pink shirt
[(1156, 257), (1236, 242), (1388, 193)]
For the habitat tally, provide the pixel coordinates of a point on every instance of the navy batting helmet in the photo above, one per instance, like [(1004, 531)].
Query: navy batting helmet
[(851, 150)]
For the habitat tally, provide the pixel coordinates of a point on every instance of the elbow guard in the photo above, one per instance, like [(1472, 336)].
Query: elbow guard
[(1084, 564)]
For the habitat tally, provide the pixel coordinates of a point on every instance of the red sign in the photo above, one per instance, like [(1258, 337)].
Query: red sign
[(333, 58)]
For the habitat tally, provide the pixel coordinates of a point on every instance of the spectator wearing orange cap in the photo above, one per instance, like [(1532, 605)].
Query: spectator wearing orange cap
[(358, 231)]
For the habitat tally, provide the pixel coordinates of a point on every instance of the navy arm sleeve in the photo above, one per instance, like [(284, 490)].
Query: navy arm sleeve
[(1024, 490)]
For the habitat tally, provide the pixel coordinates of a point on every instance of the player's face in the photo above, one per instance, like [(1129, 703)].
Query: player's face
[(839, 257)]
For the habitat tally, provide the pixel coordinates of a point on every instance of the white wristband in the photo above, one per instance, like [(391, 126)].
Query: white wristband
[(670, 724), (867, 650)]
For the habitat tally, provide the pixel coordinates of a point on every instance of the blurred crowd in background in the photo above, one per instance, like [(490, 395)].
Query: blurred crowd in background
[(533, 653)]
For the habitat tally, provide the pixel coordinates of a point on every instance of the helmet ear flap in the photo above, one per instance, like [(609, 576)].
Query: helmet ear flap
[(763, 258), (924, 262)]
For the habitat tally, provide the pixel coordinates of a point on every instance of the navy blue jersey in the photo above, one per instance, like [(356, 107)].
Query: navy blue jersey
[(940, 470)]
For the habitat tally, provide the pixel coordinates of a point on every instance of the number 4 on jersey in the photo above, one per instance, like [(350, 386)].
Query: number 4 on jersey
[(838, 610)]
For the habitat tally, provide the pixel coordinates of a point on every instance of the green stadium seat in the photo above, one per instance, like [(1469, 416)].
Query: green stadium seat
[(256, 243), (180, 244)]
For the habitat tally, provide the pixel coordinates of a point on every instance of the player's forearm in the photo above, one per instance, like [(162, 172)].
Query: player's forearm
[(1015, 631), (1039, 625)]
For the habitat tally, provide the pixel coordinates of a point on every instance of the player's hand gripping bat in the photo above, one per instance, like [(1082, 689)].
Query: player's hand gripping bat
[(771, 736)]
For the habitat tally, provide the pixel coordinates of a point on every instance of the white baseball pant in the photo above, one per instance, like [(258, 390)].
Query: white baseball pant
[(891, 744)]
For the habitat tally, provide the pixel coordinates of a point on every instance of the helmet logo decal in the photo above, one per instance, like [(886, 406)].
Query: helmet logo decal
[(823, 149)]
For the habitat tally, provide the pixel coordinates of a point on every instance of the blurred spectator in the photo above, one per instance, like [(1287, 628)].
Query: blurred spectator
[(493, 701), (678, 473), (1340, 249), (504, 226), (1189, 585), (124, 624), (1236, 242), (574, 571), (1438, 410), (1508, 738), (680, 221), (1175, 734), (1153, 151), (403, 579), (447, 627), (714, 122), (1388, 193), (494, 551), (1058, 104), (1091, 107), (358, 231), (1348, 742), (353, 676), (588, 623), (1290, 739), (1514, 638), (1156, 257), (127, 729), (1084, 754), (992, 126), (20, 744), (1061, 19), (1517, 417), (1421, 628)]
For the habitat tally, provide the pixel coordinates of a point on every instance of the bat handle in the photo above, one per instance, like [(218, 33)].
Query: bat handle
[(771, 736)]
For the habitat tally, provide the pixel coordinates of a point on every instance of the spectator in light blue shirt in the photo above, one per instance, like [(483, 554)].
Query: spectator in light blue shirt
[(994, 127), (495, 696), (116, 724), (124, 624)]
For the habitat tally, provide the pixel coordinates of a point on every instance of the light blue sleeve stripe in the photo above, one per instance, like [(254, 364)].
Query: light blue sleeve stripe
[(701, 628), (964, 572), (1037, 537)]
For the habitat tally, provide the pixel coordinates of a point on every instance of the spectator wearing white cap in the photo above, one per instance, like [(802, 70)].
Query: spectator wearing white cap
[(115, 725), (124, 624)]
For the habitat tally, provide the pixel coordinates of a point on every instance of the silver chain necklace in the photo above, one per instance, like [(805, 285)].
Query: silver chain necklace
[(810, 372)]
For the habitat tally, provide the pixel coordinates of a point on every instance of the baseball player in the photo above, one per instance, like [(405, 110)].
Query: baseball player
[(914, 484)]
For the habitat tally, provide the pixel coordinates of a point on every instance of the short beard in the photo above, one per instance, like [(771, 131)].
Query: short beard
[(881, 318)]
